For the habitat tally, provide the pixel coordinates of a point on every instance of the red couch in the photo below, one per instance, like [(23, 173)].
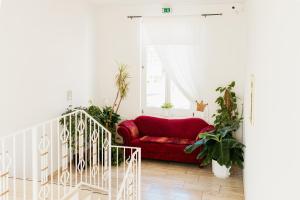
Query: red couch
[(163, 139)]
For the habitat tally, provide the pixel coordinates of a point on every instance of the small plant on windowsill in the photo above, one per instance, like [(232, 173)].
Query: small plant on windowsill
[(219, 146), (167, 108)]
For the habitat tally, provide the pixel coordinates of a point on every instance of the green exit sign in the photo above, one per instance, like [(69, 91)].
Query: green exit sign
[(166, 10)]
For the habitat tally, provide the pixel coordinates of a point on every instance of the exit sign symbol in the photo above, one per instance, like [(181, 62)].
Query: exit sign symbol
[(166, 10)]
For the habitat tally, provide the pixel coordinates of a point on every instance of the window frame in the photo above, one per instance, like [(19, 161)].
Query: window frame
[(149, 110)]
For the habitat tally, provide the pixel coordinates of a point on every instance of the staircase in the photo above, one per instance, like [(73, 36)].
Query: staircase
[(68, 158)]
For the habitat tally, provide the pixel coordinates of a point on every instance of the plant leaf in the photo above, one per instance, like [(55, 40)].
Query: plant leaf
[(203, 153), (189, 149)]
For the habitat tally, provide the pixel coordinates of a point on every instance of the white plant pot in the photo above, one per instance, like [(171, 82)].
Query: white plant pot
[(220, 171)]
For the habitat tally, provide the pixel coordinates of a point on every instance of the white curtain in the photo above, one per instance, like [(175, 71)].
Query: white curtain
[(179, 43)]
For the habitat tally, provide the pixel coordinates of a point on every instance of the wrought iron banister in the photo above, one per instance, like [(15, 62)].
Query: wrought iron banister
[(51, 159), (130, 186)]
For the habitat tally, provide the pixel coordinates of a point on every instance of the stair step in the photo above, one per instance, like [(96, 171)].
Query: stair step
[(87, 195)]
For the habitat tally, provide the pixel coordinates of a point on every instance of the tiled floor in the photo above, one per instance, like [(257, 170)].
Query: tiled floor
[(175, 181)]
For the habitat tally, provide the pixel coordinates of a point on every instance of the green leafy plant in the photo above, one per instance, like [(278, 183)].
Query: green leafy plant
[(219, 144), (70, 123), (107, 116), (227, 113), (110, 119), (167, 105), (104, 116)]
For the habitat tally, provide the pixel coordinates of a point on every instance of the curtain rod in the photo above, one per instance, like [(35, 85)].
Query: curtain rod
[(132, 17), (212, 14), (203, 15)]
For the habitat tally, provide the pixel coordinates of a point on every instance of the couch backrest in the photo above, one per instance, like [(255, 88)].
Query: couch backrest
[(187, 128)]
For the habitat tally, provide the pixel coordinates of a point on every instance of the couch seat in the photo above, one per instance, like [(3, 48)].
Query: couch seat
[(165, 140)]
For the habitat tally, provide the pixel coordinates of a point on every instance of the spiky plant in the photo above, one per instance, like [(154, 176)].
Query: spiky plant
[(122, 84)]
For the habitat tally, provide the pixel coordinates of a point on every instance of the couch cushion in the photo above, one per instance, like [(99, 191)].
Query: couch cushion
[(165, 140), (187, 128), (169, 152)]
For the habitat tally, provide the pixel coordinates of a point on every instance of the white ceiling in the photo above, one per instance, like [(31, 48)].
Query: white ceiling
[(163, 1)]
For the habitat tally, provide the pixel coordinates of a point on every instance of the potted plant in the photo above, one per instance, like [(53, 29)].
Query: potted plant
[(219, 146), (108, 115), (105, 116), (167, 107)]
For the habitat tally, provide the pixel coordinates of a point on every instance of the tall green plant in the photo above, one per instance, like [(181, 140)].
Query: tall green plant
[(219, 144), (227, 113), (122, 85)]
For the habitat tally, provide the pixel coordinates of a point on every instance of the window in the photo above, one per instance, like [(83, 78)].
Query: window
[(158, 86), (178, 99), (173, 59), (155, 80)]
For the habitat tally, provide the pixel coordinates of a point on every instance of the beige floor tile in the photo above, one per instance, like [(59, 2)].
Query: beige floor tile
[(177, 181)]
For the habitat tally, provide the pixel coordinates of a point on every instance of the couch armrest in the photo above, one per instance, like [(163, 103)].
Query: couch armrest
[(128, 131)]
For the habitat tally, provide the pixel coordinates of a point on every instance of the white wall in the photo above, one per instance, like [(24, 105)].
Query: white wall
[(272, 144), (118, 40), (46, 49)]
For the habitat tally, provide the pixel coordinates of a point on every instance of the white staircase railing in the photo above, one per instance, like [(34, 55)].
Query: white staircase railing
[(129, 186), (50, 160)]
